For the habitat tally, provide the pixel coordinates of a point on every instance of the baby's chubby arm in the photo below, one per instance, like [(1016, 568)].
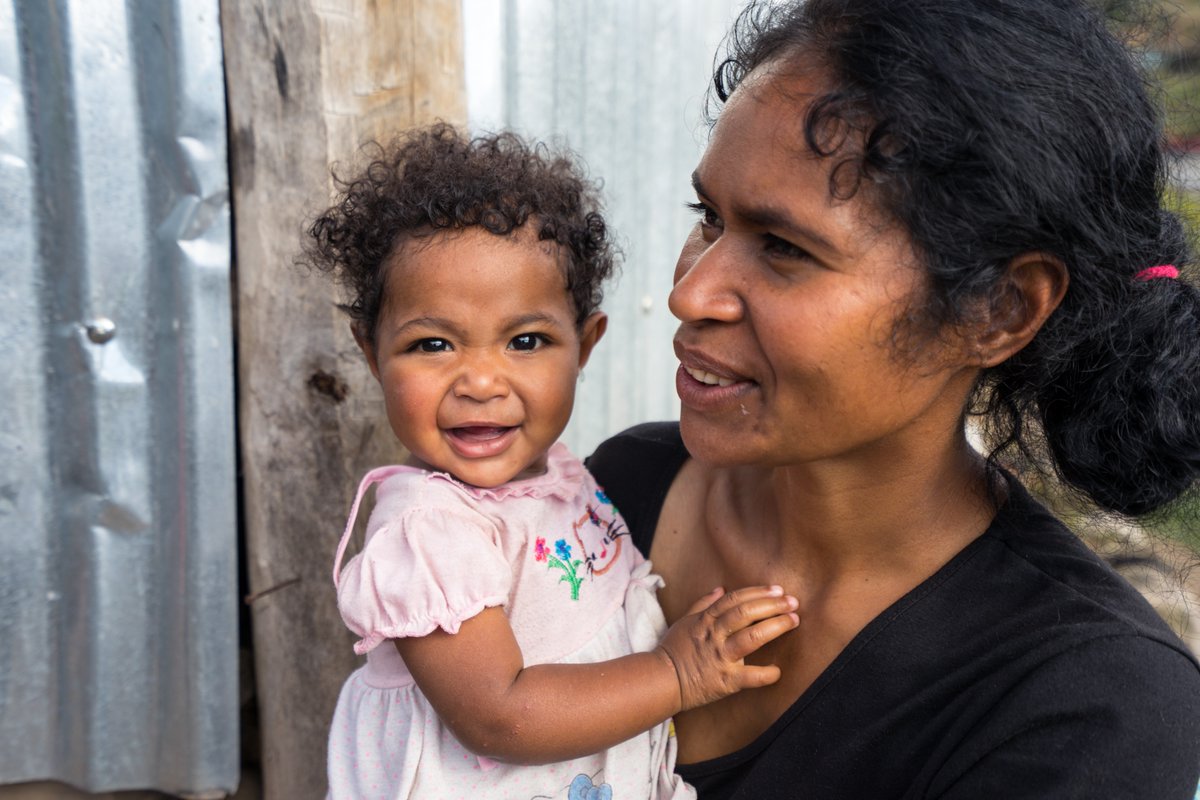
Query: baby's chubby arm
[(478, 683)]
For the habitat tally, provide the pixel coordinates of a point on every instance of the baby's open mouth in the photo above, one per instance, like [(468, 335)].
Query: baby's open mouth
[(479, 433)]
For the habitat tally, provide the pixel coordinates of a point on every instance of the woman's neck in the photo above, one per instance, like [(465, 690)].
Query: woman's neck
[(899, 513)]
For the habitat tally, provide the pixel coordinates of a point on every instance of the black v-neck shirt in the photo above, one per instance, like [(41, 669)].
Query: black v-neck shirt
[(1024, 668)]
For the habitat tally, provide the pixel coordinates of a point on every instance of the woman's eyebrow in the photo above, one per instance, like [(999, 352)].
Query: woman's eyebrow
[(768, 216)]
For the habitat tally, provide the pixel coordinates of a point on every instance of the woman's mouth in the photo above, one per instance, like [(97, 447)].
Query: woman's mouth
[(702, 390), (709, 378)]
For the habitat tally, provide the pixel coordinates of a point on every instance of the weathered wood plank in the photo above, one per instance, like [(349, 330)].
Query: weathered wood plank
[(307, 83)]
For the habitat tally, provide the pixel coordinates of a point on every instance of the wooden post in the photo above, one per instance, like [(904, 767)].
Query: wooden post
[(308, 82)]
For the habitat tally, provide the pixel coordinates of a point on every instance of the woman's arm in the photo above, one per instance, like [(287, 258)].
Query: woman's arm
[(1114, 718), (477, 682)]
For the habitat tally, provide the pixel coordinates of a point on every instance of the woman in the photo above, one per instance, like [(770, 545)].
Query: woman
[(910, 210)]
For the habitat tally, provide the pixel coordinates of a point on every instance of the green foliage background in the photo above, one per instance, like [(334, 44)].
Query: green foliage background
[(1172, 45), (1167, 33)]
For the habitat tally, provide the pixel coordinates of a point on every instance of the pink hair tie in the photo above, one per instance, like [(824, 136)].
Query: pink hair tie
[(1161, 271)]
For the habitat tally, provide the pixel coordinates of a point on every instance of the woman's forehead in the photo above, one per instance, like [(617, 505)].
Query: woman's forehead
[(759, 145), (770, 108), (760, 171)]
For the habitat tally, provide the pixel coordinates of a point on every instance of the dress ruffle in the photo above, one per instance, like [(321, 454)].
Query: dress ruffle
[(562, 479), (406, 584), (450, 623)]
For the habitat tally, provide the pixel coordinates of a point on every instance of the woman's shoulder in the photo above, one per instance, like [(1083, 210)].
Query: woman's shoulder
[(648, 437), (641, 450), (1044, 578), (636, 468)]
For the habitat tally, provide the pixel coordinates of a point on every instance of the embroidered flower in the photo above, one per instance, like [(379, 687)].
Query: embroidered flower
[(593, 516), (582, 788), (560, 559), (602, 497)]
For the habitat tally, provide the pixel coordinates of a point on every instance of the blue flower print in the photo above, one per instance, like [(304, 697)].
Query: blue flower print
[(582, 788), (604, 500), (563, 549), (560, 559)]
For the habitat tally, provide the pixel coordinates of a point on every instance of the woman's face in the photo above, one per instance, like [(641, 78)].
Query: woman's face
[(789, 300)]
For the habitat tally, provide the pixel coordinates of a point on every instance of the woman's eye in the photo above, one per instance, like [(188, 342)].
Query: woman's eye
[(432, 346), (708, 218), (782, 247), (527, 341)]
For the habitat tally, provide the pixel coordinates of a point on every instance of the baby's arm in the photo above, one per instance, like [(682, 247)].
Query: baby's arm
[(477, 682)]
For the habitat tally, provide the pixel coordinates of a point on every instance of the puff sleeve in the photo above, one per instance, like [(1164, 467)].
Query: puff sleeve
[(431, 567)]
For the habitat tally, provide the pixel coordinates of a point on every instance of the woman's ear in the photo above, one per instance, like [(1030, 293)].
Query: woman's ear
[(590, 332), (363, 339), (1032, 288)]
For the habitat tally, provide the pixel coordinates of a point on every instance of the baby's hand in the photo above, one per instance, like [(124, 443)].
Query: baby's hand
[(707, 646)]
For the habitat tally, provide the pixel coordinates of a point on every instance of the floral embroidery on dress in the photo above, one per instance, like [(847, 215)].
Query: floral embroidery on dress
[(560, 559), (582, 788), (598, 532)]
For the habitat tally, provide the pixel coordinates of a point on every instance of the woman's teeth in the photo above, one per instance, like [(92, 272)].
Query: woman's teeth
[(708, 378)]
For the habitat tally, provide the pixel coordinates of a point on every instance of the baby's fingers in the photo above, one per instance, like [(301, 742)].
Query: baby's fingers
[(743, 642), (705, 601), (743, 608), (741, 603), (752, 677)]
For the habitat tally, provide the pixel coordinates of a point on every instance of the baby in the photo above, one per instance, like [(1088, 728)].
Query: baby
[(524, 654)]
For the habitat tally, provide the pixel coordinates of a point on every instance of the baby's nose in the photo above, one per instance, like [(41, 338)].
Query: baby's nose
[(481, 380)]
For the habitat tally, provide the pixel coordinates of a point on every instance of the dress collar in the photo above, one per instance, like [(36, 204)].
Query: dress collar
[(562, 479)]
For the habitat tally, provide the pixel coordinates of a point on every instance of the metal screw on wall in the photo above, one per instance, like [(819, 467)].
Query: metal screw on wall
[(101, 330)]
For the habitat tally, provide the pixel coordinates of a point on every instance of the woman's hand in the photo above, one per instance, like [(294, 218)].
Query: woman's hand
[(708, 646)]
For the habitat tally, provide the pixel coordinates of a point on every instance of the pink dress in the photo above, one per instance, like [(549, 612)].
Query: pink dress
[(555, 554)]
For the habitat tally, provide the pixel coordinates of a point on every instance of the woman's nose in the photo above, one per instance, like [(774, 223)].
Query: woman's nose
[(706, 277)]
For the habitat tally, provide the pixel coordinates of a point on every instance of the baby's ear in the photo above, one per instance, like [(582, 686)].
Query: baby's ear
[(1032, 288), (363, 339), (590, 332)]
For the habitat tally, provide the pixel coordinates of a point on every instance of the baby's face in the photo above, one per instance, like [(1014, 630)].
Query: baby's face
[(478, 353)]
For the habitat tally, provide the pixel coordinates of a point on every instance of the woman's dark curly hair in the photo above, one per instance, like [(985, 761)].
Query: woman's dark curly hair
[(436, 178), (993, 128)]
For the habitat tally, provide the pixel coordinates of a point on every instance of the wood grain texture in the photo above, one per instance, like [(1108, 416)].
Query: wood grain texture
[(307, 83)]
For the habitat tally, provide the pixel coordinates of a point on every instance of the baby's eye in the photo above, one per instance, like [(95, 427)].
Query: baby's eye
[(431, 346), (527, 341), (708, 218)]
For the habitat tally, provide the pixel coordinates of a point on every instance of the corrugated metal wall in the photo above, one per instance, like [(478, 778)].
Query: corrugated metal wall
[(118, 545), (118, 580), (622, 82)]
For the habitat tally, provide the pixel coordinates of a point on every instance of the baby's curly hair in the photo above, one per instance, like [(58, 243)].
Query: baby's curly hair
[(436, 178)]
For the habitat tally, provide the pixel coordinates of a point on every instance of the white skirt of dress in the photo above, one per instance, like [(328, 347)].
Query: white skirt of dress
[(387, 743)]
